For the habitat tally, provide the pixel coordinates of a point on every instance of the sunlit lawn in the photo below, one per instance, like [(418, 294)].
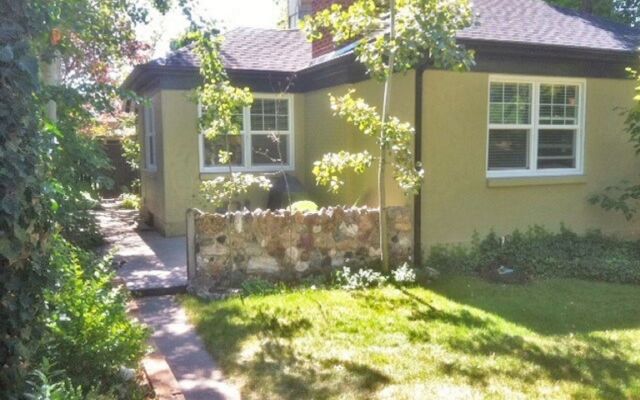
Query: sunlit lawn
[(460, 339)]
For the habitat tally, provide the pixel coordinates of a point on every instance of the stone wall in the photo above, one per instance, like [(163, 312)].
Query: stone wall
[(224, 250)]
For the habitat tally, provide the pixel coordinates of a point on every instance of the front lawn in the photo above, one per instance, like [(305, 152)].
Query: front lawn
[(463, 338)]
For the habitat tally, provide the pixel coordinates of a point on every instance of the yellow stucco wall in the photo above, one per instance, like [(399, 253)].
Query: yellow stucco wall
[(326, 133), (459, 200), (181, 172)]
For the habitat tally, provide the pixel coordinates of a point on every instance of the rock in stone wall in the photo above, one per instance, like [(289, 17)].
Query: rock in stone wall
[(277, 245)]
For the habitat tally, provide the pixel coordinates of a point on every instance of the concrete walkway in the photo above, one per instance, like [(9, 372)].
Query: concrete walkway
[(197, 374), (151, 264), (148, 261)]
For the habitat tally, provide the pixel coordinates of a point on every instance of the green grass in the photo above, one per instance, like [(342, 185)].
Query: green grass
[(463, 338)]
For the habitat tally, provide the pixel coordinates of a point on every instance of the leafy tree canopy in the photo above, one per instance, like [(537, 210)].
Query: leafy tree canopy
[(624, 11)]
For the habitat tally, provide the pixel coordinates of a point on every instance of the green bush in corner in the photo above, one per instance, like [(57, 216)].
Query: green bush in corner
[(91, 336), (540, 253), (304, 206)]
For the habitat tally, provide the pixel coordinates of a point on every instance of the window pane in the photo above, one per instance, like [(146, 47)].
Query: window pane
[(508, 149), (257, 123), (510, 93), (497, 90), (282, 123), (556, 148), (495, 113), (269, 107), (269, 123), (212, 148), (151, 151), (511, 114), (270, 115), (145, 115), (282, 107), (510, 103), (256, 107), (558, 104), (269, 149)]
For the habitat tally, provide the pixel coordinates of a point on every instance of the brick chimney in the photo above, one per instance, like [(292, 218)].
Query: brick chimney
[(324, 45)]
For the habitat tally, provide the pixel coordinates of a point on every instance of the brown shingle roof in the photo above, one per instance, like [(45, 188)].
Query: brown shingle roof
[(535, 22), (252, 49), (521, 22)]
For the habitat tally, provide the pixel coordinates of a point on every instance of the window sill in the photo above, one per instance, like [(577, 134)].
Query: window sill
[(536, 181), (206, 175)]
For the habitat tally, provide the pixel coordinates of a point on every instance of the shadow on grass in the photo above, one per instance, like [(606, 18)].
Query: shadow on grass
[(550, 307), (594, 362), (275, 368)]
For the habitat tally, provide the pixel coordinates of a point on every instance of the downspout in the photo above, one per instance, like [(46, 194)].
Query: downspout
[(417, 154)]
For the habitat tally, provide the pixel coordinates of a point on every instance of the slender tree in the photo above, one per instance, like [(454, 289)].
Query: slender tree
[(392, 36), (220, 102)]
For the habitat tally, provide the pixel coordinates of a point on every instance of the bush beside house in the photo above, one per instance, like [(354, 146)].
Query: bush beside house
[(538, 252)]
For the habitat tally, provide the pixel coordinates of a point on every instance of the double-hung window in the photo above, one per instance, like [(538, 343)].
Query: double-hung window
[(536, 127), (265, 142), (150, 161)]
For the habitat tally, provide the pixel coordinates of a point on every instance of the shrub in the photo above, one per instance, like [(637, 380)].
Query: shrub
[(75, 220), (91, 335), (360, 279), (538, 252), (304, 206), (404, 274), (43, 386), (130, 201)]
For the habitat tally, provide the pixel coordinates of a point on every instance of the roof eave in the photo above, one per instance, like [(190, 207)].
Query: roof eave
[(515, 48), (145, 77)]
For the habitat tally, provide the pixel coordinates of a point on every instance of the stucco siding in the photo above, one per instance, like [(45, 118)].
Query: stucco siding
[(326, 133), (181, 174), (459, 200)]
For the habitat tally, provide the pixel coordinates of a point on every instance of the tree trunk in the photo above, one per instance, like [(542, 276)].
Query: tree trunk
[(382, 191)]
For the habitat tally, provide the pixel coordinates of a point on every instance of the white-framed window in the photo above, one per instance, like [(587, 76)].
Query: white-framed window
[(536, 126), (150, 156), (265, 142)]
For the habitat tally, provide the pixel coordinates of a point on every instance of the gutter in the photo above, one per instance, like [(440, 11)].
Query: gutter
[(417, 154)]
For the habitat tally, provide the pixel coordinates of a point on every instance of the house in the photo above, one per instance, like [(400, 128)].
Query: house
[(524, 138)]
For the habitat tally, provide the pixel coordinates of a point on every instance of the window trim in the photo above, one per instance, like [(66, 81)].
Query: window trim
[(149, 115), (535, 127), (246, 133)]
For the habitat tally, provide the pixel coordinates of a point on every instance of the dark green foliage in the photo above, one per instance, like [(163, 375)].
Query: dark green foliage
[(23, 214), (91, 336), (623, 11), (44, 182), (540, 253), (79, 169), (45, 384), (260, 287)]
